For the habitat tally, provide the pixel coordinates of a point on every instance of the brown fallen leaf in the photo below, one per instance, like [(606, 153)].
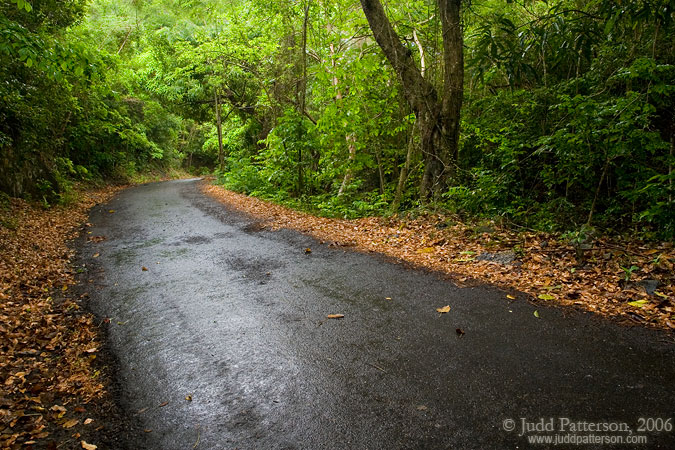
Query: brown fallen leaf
[(422, 408), (96, 255), (86, 446), (71, 423), (91, 350), (163, 404), (444, 309), (144, 269), (335, 316), (460, 332), (308, 251), (88, 421), (188, 398), (147, 430)]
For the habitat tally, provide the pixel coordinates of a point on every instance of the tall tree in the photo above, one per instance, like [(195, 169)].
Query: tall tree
[(437, 111)]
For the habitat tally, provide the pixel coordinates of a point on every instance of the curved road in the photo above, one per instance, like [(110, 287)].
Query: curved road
[(234, 317)]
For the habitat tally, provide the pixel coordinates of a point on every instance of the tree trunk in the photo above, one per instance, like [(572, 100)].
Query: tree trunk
[(219, 126), (437, 118), (302, 96), (380, 169), (403, 176), (349, 174)]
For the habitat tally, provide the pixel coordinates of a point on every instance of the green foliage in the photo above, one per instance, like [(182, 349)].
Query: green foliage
[(567, 119), (588, 139)]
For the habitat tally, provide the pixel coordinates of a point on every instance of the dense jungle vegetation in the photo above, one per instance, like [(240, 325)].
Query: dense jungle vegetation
[(352, 108)]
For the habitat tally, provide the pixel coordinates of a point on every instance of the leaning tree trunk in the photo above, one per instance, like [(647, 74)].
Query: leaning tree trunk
[(437, 114)]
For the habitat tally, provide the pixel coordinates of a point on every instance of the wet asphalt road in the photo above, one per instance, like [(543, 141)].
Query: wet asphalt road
[(235, 317)]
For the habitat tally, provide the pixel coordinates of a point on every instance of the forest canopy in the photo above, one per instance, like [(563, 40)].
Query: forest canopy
[(553, 115)]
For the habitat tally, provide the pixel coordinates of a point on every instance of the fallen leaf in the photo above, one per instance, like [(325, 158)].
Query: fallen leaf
[(147, 430), (638, 303), (425, 250), (163, 404), (96, 255), (88, 421), (335, 316), (444, 309), (536, 314), (91, 350), (58, 408), (422, 408), (510, 297), (546, 297), (144, 269), (387, 298), (188, 398), (71, 423), (459, 332), (308, 251), (660, 294), (86, 446), (111, 211)]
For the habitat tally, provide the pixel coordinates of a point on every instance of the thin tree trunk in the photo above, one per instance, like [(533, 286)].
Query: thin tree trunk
[(403, 176), (423, 65), (380, 169), (349, 174), (303, 96), (670, 168), (221, 158), (597, 192), (349, 138)]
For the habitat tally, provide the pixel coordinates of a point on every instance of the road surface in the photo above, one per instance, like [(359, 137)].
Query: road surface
[(228, 325)]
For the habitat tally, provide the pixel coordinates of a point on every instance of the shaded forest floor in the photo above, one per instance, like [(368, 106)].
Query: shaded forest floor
[(628, 280), (52, 387)]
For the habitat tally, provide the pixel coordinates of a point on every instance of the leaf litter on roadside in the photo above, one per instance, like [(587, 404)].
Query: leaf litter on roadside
[(48, 342)]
